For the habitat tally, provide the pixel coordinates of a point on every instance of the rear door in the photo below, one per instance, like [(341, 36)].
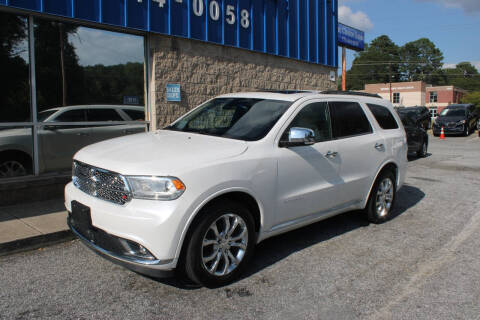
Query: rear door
[(361, 149)]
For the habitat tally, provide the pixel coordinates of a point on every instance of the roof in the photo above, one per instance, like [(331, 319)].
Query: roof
[(96, 106), (294, 95)]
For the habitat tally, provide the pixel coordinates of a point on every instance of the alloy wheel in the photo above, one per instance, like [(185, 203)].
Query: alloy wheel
[(224, 244), (12, 168), (384, 197)]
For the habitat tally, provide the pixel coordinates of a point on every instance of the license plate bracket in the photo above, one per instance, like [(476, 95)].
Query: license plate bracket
[(81, 218)]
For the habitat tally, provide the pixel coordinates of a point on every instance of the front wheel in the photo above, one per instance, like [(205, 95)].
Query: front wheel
[(382, 198), (221, 244), (467, 131)]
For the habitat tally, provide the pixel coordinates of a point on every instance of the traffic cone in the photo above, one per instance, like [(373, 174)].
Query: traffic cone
[(442, 134)]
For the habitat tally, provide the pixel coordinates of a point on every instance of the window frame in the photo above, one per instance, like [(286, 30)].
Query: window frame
[(367, 116), (395, 97), (299, 110), (433, 94), (389, 112)]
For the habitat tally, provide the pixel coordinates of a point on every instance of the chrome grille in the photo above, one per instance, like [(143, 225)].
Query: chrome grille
[(451, 124), (100, 183)]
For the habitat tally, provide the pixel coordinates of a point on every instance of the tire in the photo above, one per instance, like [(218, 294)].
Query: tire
[(375, 213), (467, 131), (216, 259), (422, 152), (14, 166)]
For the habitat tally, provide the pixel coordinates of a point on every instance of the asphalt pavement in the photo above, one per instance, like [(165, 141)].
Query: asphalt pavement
[(423, 264)]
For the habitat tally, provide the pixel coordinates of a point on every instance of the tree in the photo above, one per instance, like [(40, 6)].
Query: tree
[(422, 61), (464, 76), (379, 63), (474, 98)]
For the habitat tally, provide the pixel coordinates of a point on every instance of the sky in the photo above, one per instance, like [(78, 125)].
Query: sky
[(452, 25), (94, 46)]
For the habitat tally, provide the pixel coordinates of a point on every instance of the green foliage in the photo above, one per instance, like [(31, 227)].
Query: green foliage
[(464, 76), (374, 65), (474, 98), (383, 61), (421, 61)]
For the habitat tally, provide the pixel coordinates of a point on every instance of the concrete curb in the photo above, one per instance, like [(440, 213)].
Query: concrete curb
[(35, 242)]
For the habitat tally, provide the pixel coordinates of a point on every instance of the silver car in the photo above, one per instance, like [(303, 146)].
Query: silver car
[(59, 142)]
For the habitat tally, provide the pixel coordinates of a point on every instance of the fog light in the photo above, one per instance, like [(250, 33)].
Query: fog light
[(135, 250)]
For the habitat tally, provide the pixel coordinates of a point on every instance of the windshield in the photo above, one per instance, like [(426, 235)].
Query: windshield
[(235, 118), (45, 114), (453, 112)]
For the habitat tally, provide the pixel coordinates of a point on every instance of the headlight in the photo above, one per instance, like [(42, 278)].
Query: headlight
[(461, 122), (156, 188)]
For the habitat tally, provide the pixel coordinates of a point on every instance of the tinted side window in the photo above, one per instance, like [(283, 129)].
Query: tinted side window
[(135, 115), (71, 116), (316, 117), (383, 116), (348, 119), (103, 115)]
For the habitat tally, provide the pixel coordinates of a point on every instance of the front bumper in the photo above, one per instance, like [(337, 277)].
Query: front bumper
[(146, 267), (449, 130), (155, 225)]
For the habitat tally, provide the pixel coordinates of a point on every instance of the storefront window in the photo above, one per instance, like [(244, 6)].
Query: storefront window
[(85, 77), (14, 69)]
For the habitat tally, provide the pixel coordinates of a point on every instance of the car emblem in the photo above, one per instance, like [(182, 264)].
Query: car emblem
[(93, 176)]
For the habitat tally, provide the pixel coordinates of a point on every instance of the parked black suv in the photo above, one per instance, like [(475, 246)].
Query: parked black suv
[(417, 137), (456, 119), (420, 115)]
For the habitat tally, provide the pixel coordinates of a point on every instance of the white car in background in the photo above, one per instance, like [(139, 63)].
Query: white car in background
[(199, 195), (58, 143)]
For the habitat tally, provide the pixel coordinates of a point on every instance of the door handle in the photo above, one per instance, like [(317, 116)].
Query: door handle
[(331, 154), (379, 146), (128, 131), (83, 134)]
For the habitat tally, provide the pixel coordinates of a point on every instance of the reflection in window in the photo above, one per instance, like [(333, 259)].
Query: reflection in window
[(76, 65), (84, 74), (14, 70), (15, 152)]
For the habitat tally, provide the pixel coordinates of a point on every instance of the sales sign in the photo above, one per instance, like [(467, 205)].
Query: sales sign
[(299, 29), (351, 38), (173, 92)]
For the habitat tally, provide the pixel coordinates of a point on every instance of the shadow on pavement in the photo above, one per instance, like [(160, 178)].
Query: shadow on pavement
[(280, 247)]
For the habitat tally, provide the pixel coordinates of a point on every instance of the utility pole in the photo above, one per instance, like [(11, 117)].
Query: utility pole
[(344, 69), (390, 81)]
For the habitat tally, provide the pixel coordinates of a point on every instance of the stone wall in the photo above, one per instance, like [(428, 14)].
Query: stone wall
[(206, 70)]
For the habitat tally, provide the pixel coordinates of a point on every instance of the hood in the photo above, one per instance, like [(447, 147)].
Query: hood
[(15, 132), (161, 153), (445, 119)]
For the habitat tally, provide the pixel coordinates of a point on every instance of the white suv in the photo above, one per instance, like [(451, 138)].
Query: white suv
[(198, 195)]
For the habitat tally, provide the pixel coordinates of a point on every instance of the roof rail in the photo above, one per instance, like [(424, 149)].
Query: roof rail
[(352, 93), (289, 91)]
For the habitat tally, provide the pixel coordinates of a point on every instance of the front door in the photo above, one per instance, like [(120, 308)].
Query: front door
[(308, 176)]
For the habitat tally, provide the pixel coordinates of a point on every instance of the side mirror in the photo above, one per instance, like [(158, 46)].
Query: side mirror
[(299, 137)]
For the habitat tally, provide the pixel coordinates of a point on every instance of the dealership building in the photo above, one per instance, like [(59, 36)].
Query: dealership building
[(417, 93), (136, 65)]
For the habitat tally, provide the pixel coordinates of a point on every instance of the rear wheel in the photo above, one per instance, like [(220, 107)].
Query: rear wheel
[(221, 245), (382, 198)]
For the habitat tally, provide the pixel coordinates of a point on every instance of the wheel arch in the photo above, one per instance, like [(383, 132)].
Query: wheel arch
[(389, 166), (16, 154), (242, 196)]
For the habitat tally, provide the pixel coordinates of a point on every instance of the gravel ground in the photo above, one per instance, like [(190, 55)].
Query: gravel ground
[(425, 263)]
